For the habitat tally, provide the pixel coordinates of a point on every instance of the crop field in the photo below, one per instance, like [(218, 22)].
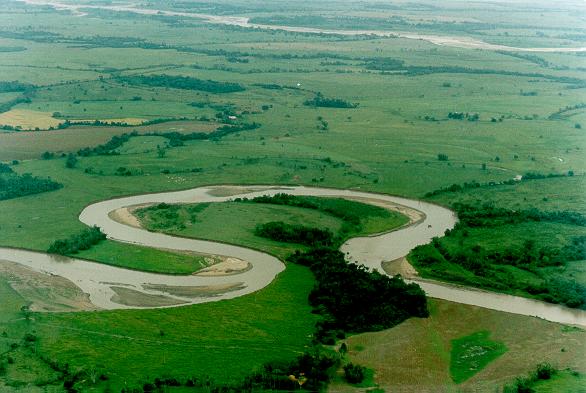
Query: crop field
[(109, 103)]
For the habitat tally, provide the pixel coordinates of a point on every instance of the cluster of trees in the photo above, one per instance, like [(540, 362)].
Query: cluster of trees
[(15, 86), (181, 82), (79, 242), (320, 101), (6, 106), (354, 373), (462, 116), (568, 108), (300, 234), (353, 299), (439, 258), (384, 64), (343, 209), (439, 261), (474, 184), (426, 70), (487, 215), (13, 185), (310, 371), (175, 139)]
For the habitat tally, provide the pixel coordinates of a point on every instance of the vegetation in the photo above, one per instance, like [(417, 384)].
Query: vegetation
[(182, 82), (454, 258), (323, 102), (354, 373), (13, 185), (282, 232), (369, 301), (79, 242), (358, 218), (543, 372)]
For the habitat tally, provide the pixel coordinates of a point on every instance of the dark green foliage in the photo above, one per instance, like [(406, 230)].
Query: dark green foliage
[(438, 260), (181, 82), (511, 182), (384, 64), (6, 106), (320, 101), (353, 299), (489, 215), (311, 371), (442, 157), (14, 186), (354, 373), (47, 155), (349, 211), (543, 371), (5, 168), (175, 139), (301, 234), (15, 86), (81, 241), (71, 161), (462, 116)]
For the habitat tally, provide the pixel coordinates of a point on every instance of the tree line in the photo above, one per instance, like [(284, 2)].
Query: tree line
[(324, 102), (78, 242), (482, 266), (353, 299), (181, 82), (13, 185), (300, 234), (511, 182)]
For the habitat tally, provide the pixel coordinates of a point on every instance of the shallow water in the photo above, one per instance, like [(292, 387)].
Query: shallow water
[(96, 279)]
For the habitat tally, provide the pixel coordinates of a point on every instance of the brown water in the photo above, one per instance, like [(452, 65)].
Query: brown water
[(96, 279)]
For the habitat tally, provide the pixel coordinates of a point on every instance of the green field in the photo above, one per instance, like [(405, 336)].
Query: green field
[(525, 114)]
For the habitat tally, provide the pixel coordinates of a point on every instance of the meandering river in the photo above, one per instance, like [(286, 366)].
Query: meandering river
[(242, 21), (100, 281)]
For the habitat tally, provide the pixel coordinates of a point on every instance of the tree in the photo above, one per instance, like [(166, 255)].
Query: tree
[(354, 373), (71, 161), (442, 157), (161, 151)]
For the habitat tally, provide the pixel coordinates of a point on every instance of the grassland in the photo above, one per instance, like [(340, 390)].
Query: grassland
[(417, 355), (144, 258), (390, 143)]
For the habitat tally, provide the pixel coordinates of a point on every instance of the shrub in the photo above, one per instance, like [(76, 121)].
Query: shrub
[(82, 241), (354, 373)]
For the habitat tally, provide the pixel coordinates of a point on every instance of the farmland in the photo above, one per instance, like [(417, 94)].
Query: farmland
[(112, 103)]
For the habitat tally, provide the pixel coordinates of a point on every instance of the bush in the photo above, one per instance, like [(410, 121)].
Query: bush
[(282, 232), (545, 371), (320, 101), (82, 241), (354, 373), (14, 186), (353, 299)]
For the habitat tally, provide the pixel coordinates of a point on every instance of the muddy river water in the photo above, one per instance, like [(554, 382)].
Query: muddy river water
[(103, 282)]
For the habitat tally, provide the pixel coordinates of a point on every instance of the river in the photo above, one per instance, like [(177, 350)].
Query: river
[(98, 280)]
